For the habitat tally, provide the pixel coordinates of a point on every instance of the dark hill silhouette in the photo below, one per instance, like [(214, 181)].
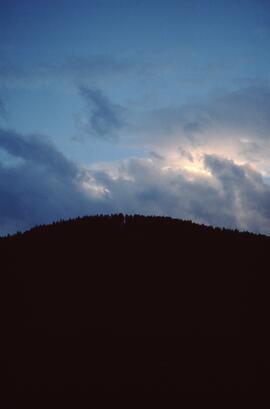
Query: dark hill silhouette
[(133, 311)]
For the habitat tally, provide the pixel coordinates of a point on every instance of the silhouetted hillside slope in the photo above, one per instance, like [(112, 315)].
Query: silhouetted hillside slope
[(135, 311)]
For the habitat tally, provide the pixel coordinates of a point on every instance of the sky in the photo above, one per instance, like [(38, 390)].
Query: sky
[(150, 107)]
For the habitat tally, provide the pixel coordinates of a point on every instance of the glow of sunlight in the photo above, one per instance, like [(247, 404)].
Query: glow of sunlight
[(199, 169), (95, 190), (192, 165)]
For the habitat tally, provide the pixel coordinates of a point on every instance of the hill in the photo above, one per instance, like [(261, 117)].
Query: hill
[(133, 311)]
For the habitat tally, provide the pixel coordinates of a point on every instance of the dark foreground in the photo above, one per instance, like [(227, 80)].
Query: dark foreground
[(137, 313)]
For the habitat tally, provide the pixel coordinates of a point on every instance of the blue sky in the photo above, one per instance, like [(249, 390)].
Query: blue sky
[(161, 107)]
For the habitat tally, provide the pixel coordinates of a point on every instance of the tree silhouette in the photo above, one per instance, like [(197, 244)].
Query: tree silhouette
[(122, 306)]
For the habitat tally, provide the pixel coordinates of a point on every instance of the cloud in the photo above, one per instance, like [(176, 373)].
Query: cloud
[(37, 152), (235, 125), (225, 194), (208, 162), (38, 184), (244, 193), (104, 118), (245, 110)]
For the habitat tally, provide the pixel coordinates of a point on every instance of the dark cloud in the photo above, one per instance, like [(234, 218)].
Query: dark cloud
[(37, 152), (41, 187), (105, 119)]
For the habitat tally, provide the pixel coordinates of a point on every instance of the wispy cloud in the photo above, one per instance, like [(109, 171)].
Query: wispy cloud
[(104, 118), (91, 70)]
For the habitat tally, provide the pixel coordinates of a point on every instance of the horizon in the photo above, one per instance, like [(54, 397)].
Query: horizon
[(151, 218)]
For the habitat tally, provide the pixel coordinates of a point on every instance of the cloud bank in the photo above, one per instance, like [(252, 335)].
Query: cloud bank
[(208, 161), (41, 185), (221, 193)]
